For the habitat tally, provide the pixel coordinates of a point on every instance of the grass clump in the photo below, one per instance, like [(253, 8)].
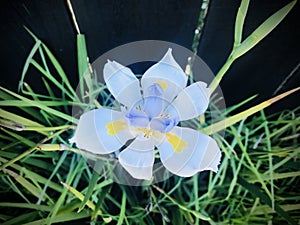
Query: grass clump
[(44, 180)]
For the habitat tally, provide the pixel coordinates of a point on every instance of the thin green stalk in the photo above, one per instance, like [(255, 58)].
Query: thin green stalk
[(214, 84)]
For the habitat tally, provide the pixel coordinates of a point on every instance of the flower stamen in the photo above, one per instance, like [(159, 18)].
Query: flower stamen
[(167, 116), (162, 84), (147, 133)]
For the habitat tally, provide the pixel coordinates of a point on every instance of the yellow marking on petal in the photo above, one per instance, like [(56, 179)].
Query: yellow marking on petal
[(177, 143), (163, 84), (147, 133), (115, 127)]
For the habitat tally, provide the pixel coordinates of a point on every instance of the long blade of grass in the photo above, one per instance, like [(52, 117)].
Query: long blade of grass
[(82, 56), (254, 190), (123, 209), (29, 111), (27, 63), (57, 166), (268, 210), (22, 139), (61, 218), (83, 66), (213, 128), (88, 203), (199, 215), (19, 119), (92, 184), (59, 69), (238, 105), (26, 184), (43, 107), (21, 103), (269, 147), (21, 218), (48, 88), (25, 206), (51, 78), (29, 151)]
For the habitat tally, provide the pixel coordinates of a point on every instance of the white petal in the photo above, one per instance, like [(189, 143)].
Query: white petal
[(190, 102), (138, 158), (167, 73), (122, 83), (202, 153), (92, 133)]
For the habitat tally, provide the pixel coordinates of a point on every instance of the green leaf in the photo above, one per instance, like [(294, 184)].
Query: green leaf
[(21, 103), (51, 78), (61, 218), (239, 21), (26, 184), (54, 172), (240, 49), (254, 190), (59, 69), (72, 171), (29, 111), (263, 30), (92, 184), (43, 107), (123, 209), (83, 67), (25, 206), (20, 138), (27, 62), (21, 218), (82, 56), (88, 203)]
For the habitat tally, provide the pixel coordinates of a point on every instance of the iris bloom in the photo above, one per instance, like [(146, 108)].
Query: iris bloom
[(150, 112)]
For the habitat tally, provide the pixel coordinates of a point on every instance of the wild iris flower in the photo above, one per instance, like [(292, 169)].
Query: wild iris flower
[(150, 112)]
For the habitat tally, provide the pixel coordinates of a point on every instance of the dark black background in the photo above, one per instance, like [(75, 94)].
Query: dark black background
[(108, 24)]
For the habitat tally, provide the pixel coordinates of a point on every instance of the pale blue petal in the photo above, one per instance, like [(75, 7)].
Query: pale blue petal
[(202, 153), (137, 118), (163, 125), (122, 83), (190, 102), (138, 158), (168, 72), (153, 103), (92, 134)]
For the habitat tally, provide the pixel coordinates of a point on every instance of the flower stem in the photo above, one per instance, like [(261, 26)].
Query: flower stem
[(221, 73)]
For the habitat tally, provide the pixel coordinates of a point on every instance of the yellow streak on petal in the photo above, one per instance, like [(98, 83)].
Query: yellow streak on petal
[(115, 127), (177, 143), (163, 84)]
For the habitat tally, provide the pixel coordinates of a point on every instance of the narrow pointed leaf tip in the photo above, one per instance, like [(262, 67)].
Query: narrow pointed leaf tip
[(240, 116), (240, 18)]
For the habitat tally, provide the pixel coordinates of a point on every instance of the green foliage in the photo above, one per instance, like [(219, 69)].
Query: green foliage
[(241, 47), (46, 181)]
